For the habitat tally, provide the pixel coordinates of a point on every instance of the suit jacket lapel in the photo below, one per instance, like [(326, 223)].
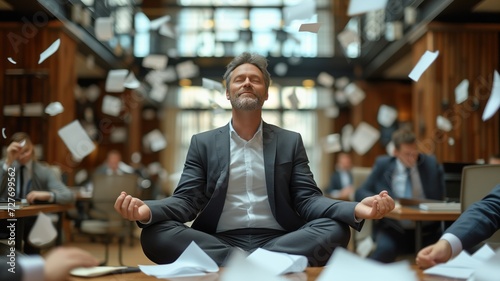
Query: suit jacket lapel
[(270, 143)]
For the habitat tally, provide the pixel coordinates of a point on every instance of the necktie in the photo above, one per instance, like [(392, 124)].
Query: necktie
[(408, 189)]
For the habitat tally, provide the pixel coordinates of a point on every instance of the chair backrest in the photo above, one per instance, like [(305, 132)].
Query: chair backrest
[(477, 182), (108, 187), (359, 175)]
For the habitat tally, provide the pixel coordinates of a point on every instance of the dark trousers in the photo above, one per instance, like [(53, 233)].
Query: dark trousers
[(165, 241), (28, 225), (394, 241)]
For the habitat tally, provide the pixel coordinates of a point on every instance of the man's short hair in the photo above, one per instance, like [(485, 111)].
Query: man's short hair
[(403, 136), (252, 58)]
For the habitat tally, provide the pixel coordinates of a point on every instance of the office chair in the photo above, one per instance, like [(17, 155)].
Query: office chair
[(105, 222), (359, 175), (477, 181)]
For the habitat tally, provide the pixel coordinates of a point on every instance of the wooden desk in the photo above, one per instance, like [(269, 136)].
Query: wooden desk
[(417, 215), (311, 274), (31, 211)]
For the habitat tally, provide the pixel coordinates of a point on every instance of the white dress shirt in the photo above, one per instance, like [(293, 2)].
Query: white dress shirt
[(247, 204)]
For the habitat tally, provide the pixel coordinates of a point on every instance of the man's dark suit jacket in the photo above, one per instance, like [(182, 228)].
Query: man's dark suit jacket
[(479, 221), (293, 194), (335, 182), (431, 176)]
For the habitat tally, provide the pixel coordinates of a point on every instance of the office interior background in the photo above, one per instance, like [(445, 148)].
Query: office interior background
[(326, 84)]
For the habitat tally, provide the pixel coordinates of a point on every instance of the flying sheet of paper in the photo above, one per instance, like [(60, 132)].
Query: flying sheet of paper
[(462, 266), (278, 263), (131, 82), (494, 101), (462, 91), (92, 92), (294, 100), (342, 82), (43, 231), (54, 108), (340, 267), (364, 137), (346, 37), (304, 10), (325, 79), (76, 139), (423, 63), (157, 23), (158, 92), (386, 115), (118, 135), (187, 69), (346, 134), (354, 94), (310, 27), (155, 140), (49, 51), (242, 269), (357, 7), (443, 123), (111, 105), (167, 31), (115, 80), (11, 60), (157, 62), (332, 112), (192, 262), (332, 143), (212, 85), (103, 29)]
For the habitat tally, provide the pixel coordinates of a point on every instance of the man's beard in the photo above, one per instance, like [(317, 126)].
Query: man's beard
[(246, 103)]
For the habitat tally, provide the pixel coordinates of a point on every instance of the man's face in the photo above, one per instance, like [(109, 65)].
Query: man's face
[(344, 162), (247, 89), (113, 161), (407, 154), (26, 153)]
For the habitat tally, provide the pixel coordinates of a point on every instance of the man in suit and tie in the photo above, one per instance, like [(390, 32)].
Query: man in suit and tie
[(476, 224), (248, 185), (34, 181), (406, 174), (341, 181)]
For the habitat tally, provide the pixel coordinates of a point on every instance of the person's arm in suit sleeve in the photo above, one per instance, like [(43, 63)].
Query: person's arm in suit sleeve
[(62, 194), (22, 268)]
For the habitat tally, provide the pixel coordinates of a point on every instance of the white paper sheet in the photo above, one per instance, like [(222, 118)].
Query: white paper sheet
[(364, 137), (443, 123), (131, 81), (325, 79), (212, 85), (54, 108), (157, 62), (76, 139), (11, 60), (154, 140), (157, 23), (462, 91), (489, 269), (345, 265), (167, 31), (103, 29), (332, 111), (304, 10), (346, 133), (49, 51), (115, 80), (192, 262), (111, 105), (425, 61), (310, 27), (494, 101), (158, 92), (332, 143), (294, 100), (241, 269), (386, 115), (186, 69), (278, 263), (354, 94), (43, 231), (357, 7)]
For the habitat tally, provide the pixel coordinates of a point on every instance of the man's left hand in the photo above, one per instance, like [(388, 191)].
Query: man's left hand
[(38, 196), (374, 207)]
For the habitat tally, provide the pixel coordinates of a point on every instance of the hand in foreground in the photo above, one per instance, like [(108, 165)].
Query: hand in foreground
[(60, 261), (434, 254), (374, 207), (38, 195), (132, 208)]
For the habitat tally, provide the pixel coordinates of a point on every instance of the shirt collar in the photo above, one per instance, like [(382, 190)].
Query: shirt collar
[(233, 132)]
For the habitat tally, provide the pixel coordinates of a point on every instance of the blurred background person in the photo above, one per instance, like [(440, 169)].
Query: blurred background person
[(341, 181)]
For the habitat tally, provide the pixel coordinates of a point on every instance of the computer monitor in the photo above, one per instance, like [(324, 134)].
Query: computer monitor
[(453, 180)]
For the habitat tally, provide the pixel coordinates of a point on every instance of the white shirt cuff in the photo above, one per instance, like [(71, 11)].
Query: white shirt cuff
[(455, 243), (32, 268), (5, 167)]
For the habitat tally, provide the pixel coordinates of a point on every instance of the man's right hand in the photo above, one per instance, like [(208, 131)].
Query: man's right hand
[(13, 152), (131, 208), (434, 254)]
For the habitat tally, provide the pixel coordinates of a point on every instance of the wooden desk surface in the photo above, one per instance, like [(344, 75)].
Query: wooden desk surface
[(311, 274), (413, 213), (32, 210)]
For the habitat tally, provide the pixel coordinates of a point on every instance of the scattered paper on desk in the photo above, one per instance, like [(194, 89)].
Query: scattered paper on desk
[(54, 108), (462, 91), (43, 231), (278, 263), (49, 51), (76, 139), (386, 115), (494, 101), (345, 265), (443, 123), (462, 266), (364, 137), (104, 28), (115, 80), (95, 271), (310, 27), (489, 270), (11, 60), (425, 61), (357, 7), (242, 269), (192, 262)]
